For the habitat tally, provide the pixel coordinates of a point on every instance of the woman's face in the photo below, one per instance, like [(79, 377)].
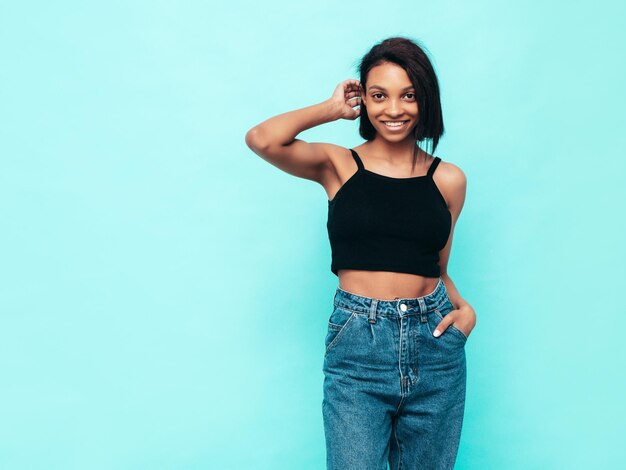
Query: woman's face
[(390, 99)]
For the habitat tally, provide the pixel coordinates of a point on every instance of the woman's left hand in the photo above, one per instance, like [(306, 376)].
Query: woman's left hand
[(463, 318)]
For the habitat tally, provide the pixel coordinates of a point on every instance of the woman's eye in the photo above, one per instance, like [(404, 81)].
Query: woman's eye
[(376, 95)]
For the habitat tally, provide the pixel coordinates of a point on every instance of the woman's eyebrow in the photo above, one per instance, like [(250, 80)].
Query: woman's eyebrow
[(381, 88)]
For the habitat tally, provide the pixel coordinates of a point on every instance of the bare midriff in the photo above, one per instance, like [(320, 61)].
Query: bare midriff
[(385, 285)]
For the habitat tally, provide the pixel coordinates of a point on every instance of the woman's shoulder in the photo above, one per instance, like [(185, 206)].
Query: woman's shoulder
[(449, 170), (338, 154), (452, 182)]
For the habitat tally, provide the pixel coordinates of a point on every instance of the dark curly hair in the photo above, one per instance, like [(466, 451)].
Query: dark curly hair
[(411, 57)]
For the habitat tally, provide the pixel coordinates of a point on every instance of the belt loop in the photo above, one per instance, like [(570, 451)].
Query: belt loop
[(423, 309), (372, 317)]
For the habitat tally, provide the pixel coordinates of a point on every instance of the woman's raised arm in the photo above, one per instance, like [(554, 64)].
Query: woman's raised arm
[(275, 139)]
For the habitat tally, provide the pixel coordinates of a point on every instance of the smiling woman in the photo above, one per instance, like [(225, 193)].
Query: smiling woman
[(396, 124), (392, 209)]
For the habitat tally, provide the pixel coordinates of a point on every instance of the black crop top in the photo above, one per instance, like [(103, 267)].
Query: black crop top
[(380, 223)]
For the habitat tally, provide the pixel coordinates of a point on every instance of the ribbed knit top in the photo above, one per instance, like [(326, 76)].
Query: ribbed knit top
[(381, 223)]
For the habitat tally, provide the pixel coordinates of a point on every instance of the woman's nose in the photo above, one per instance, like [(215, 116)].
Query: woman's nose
[(394, 108)]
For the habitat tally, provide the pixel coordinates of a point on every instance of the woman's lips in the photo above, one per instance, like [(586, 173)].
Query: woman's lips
[(395, 127)]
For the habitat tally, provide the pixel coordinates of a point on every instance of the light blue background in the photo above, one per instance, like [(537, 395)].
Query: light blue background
[(164, 292)]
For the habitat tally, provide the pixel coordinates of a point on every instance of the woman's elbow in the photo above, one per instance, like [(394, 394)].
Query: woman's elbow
[(255, 140)]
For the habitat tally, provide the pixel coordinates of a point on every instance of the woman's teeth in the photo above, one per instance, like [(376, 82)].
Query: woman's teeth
[(395, 123)]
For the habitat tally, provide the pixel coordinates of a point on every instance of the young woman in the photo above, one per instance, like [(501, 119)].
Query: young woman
[(394, 365)]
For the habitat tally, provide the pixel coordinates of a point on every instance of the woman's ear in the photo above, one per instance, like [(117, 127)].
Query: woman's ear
[(363, 95)]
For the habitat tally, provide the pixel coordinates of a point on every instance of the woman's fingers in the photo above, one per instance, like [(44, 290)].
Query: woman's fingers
[(352, 85), (443, 325), (349, 92), (355, 113)]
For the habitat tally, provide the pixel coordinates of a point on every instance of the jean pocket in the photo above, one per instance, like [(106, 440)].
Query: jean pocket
[(442, 311), (339, 320)]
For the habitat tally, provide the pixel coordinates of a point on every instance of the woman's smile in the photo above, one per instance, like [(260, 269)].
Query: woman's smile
[(396, 125)]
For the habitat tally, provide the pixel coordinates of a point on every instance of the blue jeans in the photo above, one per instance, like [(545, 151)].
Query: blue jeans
[(393, 392)]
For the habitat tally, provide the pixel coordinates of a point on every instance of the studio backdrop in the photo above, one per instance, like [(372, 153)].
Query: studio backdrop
[(165, 292)]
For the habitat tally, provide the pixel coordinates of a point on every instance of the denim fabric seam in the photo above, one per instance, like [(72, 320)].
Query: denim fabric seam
[(395, 434), (339, 333)]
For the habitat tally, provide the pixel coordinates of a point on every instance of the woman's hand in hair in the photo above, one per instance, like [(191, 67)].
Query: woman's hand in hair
[(346, 96)]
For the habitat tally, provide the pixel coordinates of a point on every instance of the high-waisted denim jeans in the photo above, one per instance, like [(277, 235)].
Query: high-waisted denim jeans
[(393, 392)]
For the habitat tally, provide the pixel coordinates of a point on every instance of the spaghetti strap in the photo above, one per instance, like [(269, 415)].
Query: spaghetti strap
[(359, 163), (433, 166)]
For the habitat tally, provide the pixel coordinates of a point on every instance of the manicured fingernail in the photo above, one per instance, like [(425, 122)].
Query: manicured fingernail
[(437, 333)]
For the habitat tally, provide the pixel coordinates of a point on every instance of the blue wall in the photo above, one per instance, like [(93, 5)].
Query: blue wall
[(164, 292)]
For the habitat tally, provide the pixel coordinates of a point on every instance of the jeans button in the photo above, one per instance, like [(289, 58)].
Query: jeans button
[(403, 307)]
